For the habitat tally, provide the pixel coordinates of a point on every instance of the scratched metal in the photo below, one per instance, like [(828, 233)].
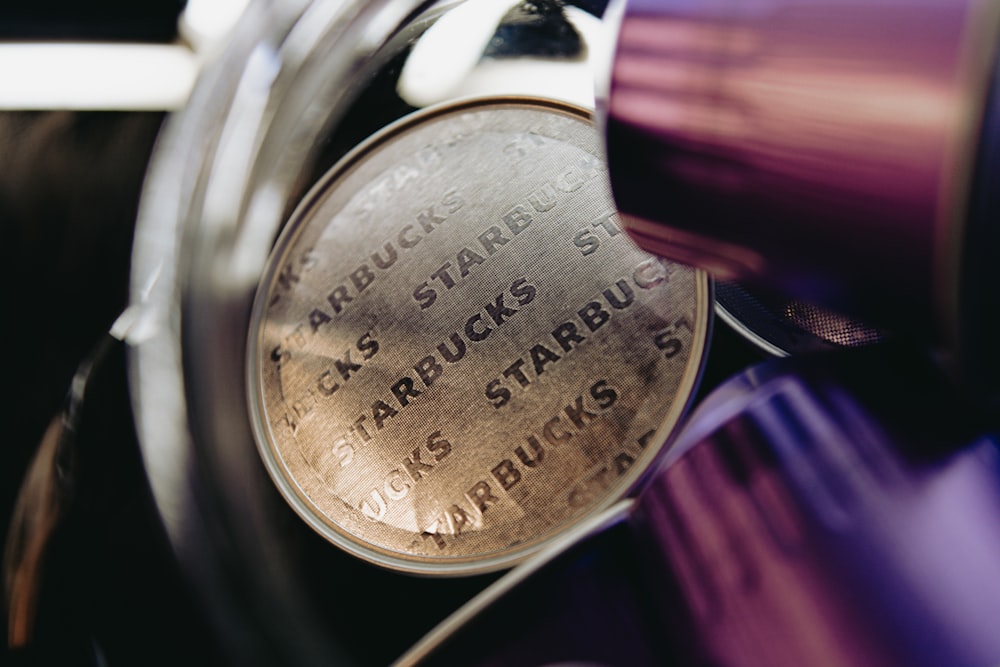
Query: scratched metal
[(455, 352)]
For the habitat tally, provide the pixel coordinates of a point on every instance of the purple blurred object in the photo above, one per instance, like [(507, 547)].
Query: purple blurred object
[(817, 514), (831, 150), (837, 510)]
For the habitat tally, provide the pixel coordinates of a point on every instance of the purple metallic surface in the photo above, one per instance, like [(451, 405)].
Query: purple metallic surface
[(830, 511), (821, 147), (803, 523)]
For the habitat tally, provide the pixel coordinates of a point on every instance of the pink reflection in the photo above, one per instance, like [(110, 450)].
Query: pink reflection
[(830, 137), (740, 556), (804, 107)]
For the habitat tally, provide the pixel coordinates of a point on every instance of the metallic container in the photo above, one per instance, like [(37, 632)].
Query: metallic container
[(837, 152), (300, 85)]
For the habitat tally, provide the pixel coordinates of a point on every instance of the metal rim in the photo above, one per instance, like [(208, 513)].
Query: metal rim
[(289, 488)]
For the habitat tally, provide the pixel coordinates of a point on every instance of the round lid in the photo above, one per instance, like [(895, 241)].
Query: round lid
[(455, 352)]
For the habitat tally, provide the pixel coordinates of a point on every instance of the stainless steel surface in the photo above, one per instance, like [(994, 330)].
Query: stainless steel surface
[(455, 352), (300, 84)]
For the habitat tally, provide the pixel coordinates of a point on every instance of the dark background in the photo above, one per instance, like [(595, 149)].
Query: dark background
[(69, 188)]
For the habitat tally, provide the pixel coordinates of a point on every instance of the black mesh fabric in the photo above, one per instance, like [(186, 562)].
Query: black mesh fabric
[(789, 326)]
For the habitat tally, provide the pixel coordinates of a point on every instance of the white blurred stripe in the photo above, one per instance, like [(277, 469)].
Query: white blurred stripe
[(95, 76), (204, 23)]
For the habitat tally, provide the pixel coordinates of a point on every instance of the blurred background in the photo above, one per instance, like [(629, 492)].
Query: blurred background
[(84, 89)]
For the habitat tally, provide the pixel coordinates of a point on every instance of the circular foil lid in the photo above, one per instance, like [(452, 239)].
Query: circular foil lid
[(455, 352)]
